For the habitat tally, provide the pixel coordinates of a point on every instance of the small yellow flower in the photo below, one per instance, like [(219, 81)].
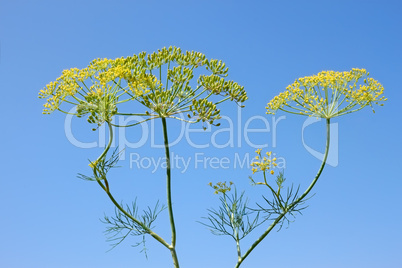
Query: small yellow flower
[(93, 164)]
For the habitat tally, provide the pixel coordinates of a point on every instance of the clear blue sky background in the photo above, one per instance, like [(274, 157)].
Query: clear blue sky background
[(50, 218)]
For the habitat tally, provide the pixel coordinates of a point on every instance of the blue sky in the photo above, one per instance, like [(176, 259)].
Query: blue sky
[(50, 218)]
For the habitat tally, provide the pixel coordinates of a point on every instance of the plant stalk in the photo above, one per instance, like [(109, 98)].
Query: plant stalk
[(169, 194), (118, 206), (277, 220)]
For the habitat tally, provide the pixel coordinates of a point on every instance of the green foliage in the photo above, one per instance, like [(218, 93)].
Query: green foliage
[(120, 226), (283, 205), (102, 166), (233, 218)]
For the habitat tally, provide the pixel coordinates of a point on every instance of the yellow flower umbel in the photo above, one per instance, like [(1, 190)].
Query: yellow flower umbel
[(99, 88), (95, 90), (221, 187), (329, 94), (264, 164)]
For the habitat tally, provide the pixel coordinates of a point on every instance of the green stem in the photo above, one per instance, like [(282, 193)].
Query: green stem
[(169, 194), (135, 123), (319, 171), (106, 189), (277, 220), (108, 145), (241, 259), (238, 248), (149, 231)]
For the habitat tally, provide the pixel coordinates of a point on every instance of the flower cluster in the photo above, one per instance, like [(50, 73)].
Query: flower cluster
[(99, 88), (329, 94), (263, 163), (221, 187)]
